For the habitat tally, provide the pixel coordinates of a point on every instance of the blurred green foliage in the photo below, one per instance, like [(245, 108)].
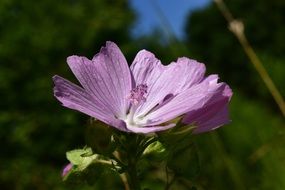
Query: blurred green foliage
[(35, 131), (35, 39)]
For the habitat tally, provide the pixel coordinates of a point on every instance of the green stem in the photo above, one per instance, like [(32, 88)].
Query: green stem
[(170, 183), (133, 175), (131, 155)]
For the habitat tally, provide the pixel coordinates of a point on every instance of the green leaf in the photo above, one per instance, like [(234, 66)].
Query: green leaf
[(81, 158)]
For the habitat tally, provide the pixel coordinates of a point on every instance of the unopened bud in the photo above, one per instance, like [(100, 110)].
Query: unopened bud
[(66, 169)]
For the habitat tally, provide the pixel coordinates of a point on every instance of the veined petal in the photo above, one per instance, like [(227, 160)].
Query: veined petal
[(217, 120), (191, 99), (160, 88), (190, 73), (75, 97), (107, 77), (115, 70), (164, 81), (213, 115), (146, 68)]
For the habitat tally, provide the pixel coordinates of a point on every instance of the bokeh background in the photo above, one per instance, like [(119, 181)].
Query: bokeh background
[(37, 36)]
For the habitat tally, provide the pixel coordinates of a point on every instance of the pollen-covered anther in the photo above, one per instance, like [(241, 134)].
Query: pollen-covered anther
[(136, 95)]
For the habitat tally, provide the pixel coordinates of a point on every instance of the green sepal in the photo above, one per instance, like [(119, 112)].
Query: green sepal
[(155, 151)]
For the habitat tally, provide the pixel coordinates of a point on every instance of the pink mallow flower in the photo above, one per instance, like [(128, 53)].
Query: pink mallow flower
[(146, 97)]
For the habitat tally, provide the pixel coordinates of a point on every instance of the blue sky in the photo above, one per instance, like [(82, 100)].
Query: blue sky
[(174, 10)]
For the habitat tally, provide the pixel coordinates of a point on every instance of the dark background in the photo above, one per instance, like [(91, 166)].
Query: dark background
[(35, 131)]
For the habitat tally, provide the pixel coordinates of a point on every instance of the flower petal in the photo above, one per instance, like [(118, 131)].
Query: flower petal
[(191, 99), (107, 77), (150, 129), (190, 73), (74, 97), (146, 68), (164, 81), (219, 119), (213, 115)]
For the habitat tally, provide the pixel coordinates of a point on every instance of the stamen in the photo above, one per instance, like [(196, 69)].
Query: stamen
[(137, 94)]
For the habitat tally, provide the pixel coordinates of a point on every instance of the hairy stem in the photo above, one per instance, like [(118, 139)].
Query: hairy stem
[(130, 154), (133, 176), (123, 176)]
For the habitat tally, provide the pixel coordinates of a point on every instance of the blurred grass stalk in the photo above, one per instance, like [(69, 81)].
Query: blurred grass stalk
[(237, 28)]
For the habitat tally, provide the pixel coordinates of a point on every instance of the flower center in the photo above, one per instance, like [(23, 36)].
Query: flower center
[(137, 94)]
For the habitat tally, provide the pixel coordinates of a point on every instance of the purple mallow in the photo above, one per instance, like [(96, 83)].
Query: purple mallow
[(146, 97)]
